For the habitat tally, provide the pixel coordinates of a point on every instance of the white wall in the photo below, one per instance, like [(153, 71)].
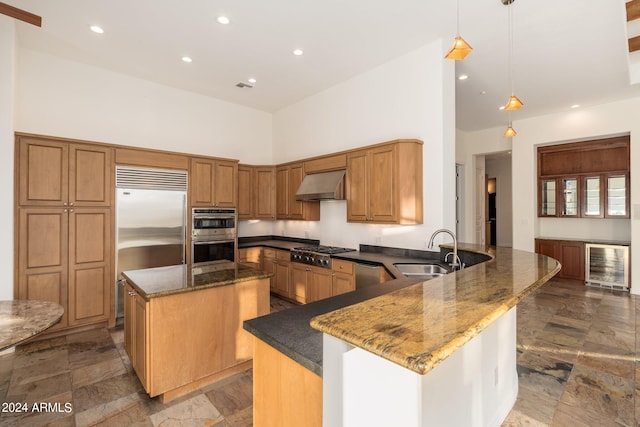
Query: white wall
[(610, 119), (7, 77), (409, 97), (64, 98), (500, 168)]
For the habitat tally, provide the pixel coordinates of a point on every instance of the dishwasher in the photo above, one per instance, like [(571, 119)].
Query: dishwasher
[(367, 275)]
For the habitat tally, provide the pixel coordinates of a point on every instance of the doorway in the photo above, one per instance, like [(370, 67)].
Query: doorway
[(498, 197)]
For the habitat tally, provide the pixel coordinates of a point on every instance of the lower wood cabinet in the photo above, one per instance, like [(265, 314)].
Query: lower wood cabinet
[(180, 342), (285, 393), (64, 256), (278, 262), (251, 257), (569, 253), (311, 283)]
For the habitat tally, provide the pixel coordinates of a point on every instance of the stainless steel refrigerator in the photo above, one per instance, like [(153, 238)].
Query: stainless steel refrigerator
[(150, 221)]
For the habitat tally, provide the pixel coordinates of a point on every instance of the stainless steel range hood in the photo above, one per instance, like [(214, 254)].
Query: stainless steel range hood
[(322, 186)]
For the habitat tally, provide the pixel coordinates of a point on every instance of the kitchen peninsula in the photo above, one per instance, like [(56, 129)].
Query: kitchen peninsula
[(183, 323), (435, 347)]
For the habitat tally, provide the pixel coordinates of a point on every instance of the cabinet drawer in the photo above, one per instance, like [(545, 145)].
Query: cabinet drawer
[(342, 266), (283, 255), (269, 253)]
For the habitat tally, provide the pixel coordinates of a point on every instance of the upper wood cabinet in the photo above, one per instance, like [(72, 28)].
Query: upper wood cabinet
[(587, 179), (213, 183), (57, 173), (384, 183), (256, 192), (288, 179)]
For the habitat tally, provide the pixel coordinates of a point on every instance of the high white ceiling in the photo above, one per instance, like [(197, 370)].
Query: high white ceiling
[(566, 52)]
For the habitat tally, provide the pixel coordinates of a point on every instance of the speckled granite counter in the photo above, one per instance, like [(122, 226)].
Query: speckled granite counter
[(587, 240), (23, 319), (161, 281), (398, 326), (290, 331)]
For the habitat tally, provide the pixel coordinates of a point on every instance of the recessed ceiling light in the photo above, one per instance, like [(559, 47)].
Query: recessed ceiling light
[(187, 59), (252, 80), (223, 20), (463, 77), (483, 92), (297, 52), (96, 29), (575, 106), (501, 107)]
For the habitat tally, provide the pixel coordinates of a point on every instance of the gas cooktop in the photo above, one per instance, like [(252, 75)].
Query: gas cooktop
[(316, 255)]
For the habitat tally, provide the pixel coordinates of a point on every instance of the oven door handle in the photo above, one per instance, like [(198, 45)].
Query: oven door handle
[(208, 242)]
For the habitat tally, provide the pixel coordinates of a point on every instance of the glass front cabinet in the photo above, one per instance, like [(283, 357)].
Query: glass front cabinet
[(590, 196)]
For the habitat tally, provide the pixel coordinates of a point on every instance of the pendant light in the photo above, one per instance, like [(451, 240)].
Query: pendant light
[(514, 102), (460, 47)]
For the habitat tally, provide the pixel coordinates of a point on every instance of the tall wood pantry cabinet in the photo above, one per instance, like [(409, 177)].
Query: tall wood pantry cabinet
[(63, 227)]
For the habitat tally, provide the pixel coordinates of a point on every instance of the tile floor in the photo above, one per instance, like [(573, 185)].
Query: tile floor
[(577, 363)]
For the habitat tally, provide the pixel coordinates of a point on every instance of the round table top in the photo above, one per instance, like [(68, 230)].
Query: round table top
[(23, 319)]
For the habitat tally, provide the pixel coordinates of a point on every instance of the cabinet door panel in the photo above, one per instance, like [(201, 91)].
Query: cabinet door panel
[(90, 273), (282, 279), (357, 199), (201, 182), (88, 297), (225, 183), (140, 340), (264, 200), (572, 260), (343, 283), (42, 256), (299, 279), (382, 184), (320, 286), (43, 172), (245, 190), (90, 175), (296, 208), (282, 193)]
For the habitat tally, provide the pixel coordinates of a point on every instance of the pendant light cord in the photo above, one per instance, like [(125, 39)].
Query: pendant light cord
[(510, 48)]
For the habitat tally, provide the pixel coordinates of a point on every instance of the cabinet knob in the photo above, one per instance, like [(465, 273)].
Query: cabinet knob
[(64, 204), (70, 210), (71, 204), (132, 294), (64, 210)]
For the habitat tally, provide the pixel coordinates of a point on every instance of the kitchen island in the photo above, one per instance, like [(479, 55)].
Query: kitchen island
[(404, 334), (183, 323)]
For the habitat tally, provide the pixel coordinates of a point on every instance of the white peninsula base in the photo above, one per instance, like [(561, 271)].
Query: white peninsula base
[(475, 386)]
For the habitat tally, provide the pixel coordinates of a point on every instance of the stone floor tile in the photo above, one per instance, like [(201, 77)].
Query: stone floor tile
[(39, 390), (596, 392), (45, 364), (573, 416), (607, 359), (101, 412), (232, 395), (532, 407), (104, 391), (242, 418), (99, 371), (195, 411), (132, 416)]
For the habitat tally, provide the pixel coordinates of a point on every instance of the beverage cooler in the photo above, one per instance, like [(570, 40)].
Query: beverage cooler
[(607, 266)]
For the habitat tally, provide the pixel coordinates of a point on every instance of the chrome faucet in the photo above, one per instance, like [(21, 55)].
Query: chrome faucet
[(455, 261)]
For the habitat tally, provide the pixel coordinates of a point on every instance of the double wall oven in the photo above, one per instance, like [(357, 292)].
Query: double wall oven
[(213, 235)]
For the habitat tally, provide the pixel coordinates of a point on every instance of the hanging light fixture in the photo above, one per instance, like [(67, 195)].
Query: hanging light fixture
[(460, 47), (510, 132), (514, 102)]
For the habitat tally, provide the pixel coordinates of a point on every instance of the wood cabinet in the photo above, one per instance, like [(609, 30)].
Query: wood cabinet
[(56, 173), (288, 179), (310, 283), (278, 262), (136, 333), (180, 342), (256, 192), (384, 183), (344, 277), (588, 179), (251, 257), (213, 183), (285, 393), (570, 254), (64, 224)]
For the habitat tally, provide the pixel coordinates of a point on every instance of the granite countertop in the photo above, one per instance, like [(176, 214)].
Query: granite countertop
[(23, 319), (162, 281), (587, 240), (419, 326)]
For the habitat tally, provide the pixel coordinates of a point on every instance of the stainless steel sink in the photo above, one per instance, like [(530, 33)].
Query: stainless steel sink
[(421, 271)]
